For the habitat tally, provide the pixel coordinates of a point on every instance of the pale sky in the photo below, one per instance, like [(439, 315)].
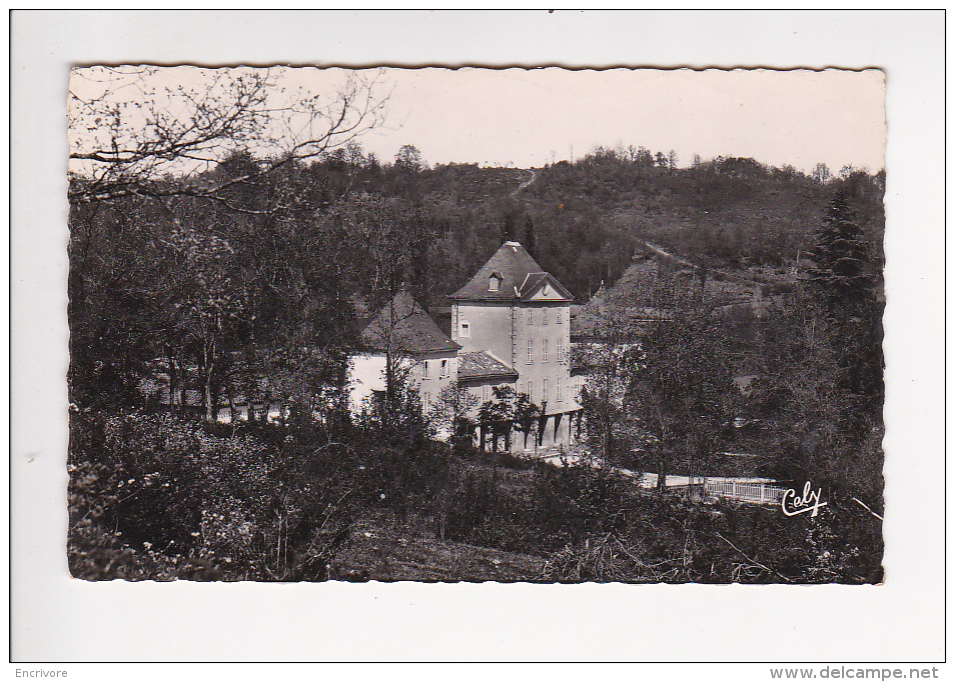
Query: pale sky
[(528, 118)]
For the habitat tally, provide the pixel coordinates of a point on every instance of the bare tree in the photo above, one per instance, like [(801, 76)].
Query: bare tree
[(821, 173), (681, 381), (138, 130), (455, 402), (607, 361)]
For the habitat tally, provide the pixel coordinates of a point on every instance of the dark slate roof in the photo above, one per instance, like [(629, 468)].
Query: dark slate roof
[(513, 265), (483, 365), (413, 330)]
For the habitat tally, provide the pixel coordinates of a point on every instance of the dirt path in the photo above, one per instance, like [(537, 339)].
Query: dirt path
[(526, 183)]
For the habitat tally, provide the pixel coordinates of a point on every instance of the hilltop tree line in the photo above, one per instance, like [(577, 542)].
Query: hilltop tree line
[(300, 256), (273, 278)]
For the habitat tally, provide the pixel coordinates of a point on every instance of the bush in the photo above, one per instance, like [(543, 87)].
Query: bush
[(673, 541), (174, 493), (96, 553), (155, 497), (257, 502)]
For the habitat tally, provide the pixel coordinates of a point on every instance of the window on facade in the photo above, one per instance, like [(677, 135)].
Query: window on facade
[(544, 391), (559, 392), (465, 330), (560, 350), (444, 369), (530, 316), (544, 350), (427, 399), (494, 283), (530, 390), (530, 351), (544, 316), (486, 393), (425, 372), (560, 317)]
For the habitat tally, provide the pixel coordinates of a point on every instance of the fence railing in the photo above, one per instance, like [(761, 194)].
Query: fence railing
[(745, 492)]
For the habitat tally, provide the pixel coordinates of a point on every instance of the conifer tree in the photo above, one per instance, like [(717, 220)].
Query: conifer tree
[(842, 283), (840, 276)]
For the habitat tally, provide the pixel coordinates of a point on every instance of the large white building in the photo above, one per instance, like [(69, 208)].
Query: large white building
[(510, 326)]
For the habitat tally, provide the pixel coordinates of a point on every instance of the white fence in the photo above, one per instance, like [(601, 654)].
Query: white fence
[(745, 492)]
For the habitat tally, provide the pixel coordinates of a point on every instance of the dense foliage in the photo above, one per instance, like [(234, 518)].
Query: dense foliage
[(221, 289), (155, 497), (256, 294)]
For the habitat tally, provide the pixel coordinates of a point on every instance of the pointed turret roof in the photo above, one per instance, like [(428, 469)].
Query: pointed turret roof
[(408, 327), (511, 273)]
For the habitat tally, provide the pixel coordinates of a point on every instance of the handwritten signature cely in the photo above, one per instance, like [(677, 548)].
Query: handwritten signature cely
[(811, 500)]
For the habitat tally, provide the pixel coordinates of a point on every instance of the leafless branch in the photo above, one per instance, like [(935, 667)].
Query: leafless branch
[(753, 561), (148, 131)]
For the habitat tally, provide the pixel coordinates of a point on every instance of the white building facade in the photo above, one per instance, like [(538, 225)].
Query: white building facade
[(510, 326), (517, 313)]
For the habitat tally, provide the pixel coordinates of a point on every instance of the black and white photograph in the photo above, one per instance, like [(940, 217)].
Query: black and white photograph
[(450, 336), (611, 325)]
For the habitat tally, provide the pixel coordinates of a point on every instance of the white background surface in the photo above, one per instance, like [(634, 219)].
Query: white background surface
[(55, 618)]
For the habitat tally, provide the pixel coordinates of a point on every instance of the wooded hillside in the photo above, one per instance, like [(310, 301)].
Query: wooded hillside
[(257, 291)]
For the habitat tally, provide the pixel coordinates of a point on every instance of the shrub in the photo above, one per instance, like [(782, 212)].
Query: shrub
[(239, 504), (673, 541)]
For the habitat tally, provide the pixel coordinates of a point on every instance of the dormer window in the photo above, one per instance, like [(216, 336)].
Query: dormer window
[(494, 283)]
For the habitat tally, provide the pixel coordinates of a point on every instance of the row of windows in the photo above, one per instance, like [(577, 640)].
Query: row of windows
[(544, 315), (561, 357), (558, 393), (443, 370), (487, 394)]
